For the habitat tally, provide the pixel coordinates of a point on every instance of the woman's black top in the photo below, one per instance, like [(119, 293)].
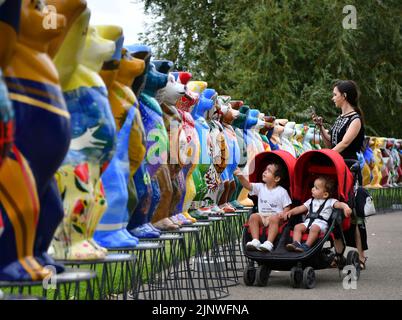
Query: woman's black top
[(339, 129)]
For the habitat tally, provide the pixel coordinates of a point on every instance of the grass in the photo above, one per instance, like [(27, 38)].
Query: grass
[(385, 199)]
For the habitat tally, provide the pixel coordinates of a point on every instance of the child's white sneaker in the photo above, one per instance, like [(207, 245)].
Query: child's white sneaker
[(267, 246), (253, 245)]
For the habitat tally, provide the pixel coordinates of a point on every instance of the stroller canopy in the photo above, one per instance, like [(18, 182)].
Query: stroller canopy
[(261, 161), (314, 163)]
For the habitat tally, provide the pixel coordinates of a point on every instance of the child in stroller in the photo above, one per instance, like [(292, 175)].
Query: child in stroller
[(308, 167), (319, 209), (273, 200)]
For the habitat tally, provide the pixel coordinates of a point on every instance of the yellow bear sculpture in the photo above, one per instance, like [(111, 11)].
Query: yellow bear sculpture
[(376, 169), (93, 141)]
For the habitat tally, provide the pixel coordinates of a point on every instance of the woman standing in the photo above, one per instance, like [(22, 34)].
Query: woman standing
[(346, 137)]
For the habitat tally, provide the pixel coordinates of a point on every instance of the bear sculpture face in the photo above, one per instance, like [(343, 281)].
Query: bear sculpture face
[(172, 92), (97, 50), (33, 30)]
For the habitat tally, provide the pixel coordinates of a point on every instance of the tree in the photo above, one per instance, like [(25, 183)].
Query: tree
[(283, 56)]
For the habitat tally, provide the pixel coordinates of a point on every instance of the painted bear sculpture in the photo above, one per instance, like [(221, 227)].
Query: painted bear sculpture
[(189, 144), (286, 137), (92, 146), (170, 181), (42, 138), (157, 148), (234, 152), (130, 151)]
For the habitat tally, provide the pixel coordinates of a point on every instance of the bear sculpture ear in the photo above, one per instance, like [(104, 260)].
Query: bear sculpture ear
[(185, 77), (73, 10), (236, 104), (163, 66)]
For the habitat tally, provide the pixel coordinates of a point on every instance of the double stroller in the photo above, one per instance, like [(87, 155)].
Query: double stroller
[(301, 174)]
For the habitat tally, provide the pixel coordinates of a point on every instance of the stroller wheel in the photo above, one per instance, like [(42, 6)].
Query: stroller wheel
[(261, 275), (352, 259), (296, 277), (249, 275), (309, 278)]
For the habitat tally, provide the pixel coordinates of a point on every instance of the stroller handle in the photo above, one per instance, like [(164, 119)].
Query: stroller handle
[(354, 166), (351, 162)]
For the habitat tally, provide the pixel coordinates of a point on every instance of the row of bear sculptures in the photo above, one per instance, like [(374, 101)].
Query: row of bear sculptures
[(101, 146)]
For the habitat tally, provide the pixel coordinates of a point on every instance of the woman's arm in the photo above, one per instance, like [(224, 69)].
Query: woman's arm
[(326, 138), (349, 136)]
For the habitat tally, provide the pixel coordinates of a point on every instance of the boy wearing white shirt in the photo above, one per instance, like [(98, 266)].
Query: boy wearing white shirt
[(319, 209), (273, 199)]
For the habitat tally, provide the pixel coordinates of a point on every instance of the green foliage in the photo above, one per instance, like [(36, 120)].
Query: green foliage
[(283, 56)]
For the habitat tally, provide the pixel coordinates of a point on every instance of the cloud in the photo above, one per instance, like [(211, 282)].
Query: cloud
[(128, 14)]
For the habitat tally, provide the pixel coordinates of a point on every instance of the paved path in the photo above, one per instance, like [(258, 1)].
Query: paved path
[(381, 280)]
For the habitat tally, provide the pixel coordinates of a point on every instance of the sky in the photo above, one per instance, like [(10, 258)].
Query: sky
[(128, 14)]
